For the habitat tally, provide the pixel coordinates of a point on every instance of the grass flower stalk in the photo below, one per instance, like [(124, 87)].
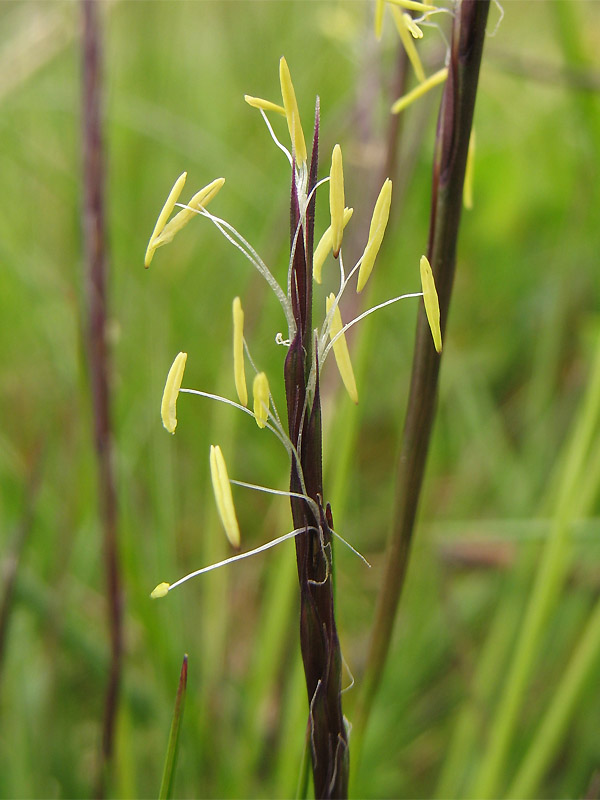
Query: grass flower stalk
[(452, 142)]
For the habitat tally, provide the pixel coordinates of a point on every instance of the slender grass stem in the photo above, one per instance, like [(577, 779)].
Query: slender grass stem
[(454, 130)]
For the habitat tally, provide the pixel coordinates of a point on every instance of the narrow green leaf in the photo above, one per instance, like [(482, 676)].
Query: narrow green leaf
[(166, 785)]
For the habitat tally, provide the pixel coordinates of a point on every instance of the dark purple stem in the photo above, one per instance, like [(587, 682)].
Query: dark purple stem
[(452, 141), (319, 642), (95, 283)]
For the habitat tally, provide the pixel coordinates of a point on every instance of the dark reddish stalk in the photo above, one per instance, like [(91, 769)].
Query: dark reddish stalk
[(95, 283), (452, 141), (319, 642)]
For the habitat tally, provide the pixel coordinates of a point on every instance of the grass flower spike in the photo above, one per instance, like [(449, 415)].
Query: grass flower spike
[(260, 390), (340, 349), (164, 216), (336, 199), (291, 111), (238, 352), (430, 299), (325, 246), (379, 221), (222, 490), (168, 408)]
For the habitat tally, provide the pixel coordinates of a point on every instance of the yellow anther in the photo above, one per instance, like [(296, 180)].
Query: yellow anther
[(238, 352), (291, 111), (413, 5), (469, 169), (336, 199), (412, 26), (407, 41), (200, 200), (324, 247), (162, 590), (340, 349), (266, 105), (379, 9), (260, 390), (164, 216), (431, 82), (168, 408), (432, 305), (379, 221), (222, 490)]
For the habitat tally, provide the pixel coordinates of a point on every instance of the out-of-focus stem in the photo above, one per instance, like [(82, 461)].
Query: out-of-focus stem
[(95, 283), (452, 141)]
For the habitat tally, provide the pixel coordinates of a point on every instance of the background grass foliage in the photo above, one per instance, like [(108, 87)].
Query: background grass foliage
[(515, 452)]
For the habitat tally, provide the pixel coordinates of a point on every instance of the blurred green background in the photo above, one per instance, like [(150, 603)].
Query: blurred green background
[(521, 341)]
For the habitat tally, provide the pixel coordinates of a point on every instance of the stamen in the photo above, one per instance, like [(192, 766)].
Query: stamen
[(340, 348), (164, 216), (291, 111), (413, 5), (431, 82), (168, 406), (223, 496), (432, 305), (379, 221), (379, 9), (260, 390), (407, 42), (238, 352), (264, 105), (336, 199), (412, 26), (469, 170), (163, 588), (180, 220), (325, 245)]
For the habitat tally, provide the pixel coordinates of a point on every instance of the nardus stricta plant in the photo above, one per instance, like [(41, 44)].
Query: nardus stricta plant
[(307, 348)]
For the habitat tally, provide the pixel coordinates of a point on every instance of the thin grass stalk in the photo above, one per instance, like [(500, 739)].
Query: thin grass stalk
[(321, 654), (12, 558), (168, 777), (95, 284), (452, 141)]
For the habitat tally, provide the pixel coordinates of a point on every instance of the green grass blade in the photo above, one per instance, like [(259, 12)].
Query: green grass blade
[(166, 785)]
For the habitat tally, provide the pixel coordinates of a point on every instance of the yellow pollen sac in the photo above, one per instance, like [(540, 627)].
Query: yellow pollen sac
[(324, 247), (432, 305), (412, 26), (431, 82), (162, 590), (405, 32), (413, 5), (379, 221), (164, 216), (336, 199), (238, 352), (266, 105), (379, 9), (200, 200), (340, 349), (260, 390), (469, 169), (223, 497), (168, 407), (291, 111)]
